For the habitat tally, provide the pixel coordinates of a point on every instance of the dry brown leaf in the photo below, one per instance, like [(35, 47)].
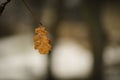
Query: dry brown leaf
[(41, 41)]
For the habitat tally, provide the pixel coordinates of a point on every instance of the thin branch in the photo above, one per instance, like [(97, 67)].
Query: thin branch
[(29, 9), (2, 6)]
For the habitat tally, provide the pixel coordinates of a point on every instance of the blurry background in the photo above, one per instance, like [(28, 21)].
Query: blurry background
[(85, 36)]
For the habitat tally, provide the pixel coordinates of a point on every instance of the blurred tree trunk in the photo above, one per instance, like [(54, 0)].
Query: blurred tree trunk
[(91, 12), (58, 7)]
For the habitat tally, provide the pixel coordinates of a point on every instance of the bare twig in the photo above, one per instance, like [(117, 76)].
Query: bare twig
[(29, 9), (2, 6)]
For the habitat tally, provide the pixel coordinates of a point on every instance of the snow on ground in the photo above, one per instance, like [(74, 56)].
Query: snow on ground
[(19, 60)]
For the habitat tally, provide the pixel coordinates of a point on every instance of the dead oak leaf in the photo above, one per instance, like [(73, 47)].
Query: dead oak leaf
[(41, 40)]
